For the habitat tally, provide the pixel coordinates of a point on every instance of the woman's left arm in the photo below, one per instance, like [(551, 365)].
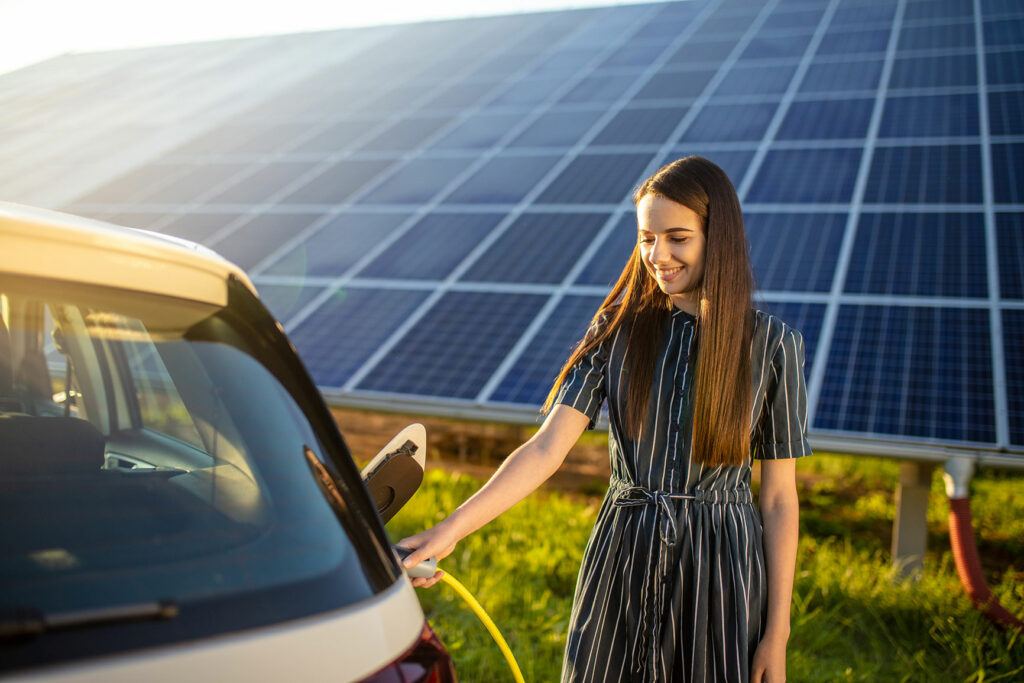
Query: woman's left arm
[(780, 513)]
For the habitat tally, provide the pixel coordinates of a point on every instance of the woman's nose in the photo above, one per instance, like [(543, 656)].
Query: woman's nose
[(660, 251)]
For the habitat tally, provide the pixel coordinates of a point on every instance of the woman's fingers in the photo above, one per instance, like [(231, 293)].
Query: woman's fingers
[(427, 583)]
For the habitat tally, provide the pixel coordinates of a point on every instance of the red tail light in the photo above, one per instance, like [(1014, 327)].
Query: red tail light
[(425, 662)]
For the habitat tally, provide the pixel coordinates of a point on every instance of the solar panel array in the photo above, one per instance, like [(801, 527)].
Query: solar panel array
[(436, 210)]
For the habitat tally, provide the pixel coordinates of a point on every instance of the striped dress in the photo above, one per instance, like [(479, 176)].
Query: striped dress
[(672, 585)]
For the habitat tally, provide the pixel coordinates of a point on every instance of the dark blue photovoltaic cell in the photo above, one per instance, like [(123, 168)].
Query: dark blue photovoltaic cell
[(340, 136), (284, 301), (910, 371), (479, 131), (863, 12), (1004, 32), (530, 378), (537, 247), (826, 119), (775, 47), (674, 85), (730, 122), (919, 254), (338, 182), (406, 134), (945, 174), (710, 51), (853, 74), (461, 95), (197, 227), (794, 251), (638, 54), (752, 79), (338, 245), (432, 247), (1008, 173), (259, 237), (844, 40), (417, 182), (345, 331), (527, 92), (557, 129), (642, 125), (503, 180), (788, 18), (596, 179), (724, 24), (441, 356), (733, 162), (198, 180), (1004, 68), (929, 116), (1013, 351), (933, 72), (1010, 247), (805, 317), (806, 175), (600, 88), (936, 36), (938, 9), (566, 61), (259, 187), (607, 263), (1006, 112)]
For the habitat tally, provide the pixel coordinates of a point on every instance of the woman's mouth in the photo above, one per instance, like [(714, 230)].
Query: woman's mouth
[(669, 274)]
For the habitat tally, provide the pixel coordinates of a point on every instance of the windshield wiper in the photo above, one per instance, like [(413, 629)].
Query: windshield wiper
[(20, 622)]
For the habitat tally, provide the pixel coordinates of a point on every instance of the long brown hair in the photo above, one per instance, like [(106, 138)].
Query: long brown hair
[(721, 392)]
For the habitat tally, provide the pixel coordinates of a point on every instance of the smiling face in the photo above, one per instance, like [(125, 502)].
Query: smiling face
[(672, 248)]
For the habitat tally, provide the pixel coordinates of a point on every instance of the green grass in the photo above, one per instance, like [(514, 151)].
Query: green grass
[(852, 619)]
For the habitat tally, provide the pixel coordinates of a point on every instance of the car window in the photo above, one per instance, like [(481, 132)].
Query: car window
[(160, 406), (178, 469)]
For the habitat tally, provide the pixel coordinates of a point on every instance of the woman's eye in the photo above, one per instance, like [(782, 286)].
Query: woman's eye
[(679, 240), (646, 240)]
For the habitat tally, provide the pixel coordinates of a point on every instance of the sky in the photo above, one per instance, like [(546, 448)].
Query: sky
[(34, 30)]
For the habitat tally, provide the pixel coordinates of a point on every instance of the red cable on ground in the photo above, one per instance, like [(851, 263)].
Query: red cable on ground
[(968, 566)]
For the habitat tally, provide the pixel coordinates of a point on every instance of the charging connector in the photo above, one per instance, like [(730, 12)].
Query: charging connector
[(428, 568)]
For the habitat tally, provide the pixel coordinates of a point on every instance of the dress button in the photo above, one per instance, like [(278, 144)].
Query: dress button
[(682, 390)]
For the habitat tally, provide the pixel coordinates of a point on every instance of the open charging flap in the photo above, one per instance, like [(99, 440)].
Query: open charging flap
[(394, 474)]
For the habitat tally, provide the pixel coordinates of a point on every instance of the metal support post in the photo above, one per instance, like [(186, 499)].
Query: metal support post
[(910, 528)]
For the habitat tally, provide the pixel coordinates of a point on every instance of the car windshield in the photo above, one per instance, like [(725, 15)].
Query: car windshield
[(147, 456)]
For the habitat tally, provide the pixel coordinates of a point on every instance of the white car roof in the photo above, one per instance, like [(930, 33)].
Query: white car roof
[(43, 243)]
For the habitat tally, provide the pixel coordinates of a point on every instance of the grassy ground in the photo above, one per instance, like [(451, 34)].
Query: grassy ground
[(852, 620)]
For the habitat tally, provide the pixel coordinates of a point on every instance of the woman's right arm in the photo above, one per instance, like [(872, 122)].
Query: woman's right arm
[(527, 468)]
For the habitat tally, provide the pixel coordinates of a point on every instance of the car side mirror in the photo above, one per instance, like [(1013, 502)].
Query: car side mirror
[(396, 472)]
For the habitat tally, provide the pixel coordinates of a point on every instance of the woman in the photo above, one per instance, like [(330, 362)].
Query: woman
[(681, 580)]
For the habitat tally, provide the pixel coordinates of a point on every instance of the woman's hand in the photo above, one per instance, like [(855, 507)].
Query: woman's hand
[(438, 541), (769, 665)]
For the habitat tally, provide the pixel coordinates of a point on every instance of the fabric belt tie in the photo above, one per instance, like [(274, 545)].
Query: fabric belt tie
[(645, 649)]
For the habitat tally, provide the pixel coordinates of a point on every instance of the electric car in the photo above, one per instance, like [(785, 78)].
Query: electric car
[(176, 501)]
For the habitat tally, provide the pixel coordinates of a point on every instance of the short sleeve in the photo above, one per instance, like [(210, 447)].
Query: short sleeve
[(782, 429), (584, 388)]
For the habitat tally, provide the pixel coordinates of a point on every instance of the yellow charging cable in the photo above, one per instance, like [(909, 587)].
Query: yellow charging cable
[(495, 633)]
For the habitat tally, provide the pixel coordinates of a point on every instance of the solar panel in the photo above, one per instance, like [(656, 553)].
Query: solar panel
[(336, 245), (545, 245), (434, 246), (432, 360), (435, 210)]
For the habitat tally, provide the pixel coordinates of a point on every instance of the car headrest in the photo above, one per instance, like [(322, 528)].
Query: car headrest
[(48, 446)]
